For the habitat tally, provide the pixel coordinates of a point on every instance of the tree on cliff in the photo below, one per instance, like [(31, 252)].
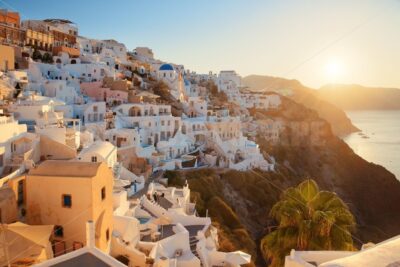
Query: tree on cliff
[(160, 88), (308, 219)]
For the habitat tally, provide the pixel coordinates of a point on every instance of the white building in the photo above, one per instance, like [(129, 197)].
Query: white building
[(386, 253), (63, 91), (172, 76), (154, 122), (62, 130), (195, 128), (17, 147), (123, 137), (163, 229), (144, 54), (233, 149), (90, 113), (271, 129), (100, 151), (33, 109), (262, 101), (229, 82), (89, 72)]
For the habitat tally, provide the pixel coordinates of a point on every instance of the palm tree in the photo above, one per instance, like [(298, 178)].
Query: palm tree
[(308, 219)]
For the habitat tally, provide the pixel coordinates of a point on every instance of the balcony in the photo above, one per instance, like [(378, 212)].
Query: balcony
[(71, 51)]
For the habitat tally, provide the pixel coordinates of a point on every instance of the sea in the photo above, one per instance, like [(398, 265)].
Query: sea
[(379, 141)]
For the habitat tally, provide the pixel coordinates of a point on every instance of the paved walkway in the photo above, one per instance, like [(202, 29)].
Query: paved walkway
[(154, 176)]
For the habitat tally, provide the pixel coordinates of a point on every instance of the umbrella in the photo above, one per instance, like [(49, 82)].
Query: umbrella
[(237, 257), (25, 241), (162, 221)]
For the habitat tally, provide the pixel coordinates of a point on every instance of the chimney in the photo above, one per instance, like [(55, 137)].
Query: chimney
[(90, 239)]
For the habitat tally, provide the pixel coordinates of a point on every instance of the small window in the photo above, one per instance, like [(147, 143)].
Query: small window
[(95, 108), (103, 193), (108, 234), (94, 159), (66, 201), (58, 231)]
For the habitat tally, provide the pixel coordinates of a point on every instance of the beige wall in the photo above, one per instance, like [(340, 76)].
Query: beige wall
[(8, 205), (55, 150), (7, 55), (226, 129), (44, 204)]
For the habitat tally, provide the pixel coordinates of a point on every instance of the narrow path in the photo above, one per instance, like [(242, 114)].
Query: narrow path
[(154, 176)]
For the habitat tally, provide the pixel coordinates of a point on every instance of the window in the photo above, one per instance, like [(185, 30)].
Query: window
[(95, 108), (103, 193), (1, 160), (108, 234), (94, 159), (13, 147), (66, 201), (162, 123), (20, 195), (58, 231)]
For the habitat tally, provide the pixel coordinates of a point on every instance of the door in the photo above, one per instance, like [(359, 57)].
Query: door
[(59, 248)]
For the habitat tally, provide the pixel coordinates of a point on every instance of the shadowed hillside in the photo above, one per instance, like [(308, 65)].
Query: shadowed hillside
[(239, 202)]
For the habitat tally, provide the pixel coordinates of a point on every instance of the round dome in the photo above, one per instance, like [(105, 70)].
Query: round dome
[(166, 67)]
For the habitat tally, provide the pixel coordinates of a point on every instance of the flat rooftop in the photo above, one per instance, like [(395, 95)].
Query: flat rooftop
[(86, 259), (65, 168)]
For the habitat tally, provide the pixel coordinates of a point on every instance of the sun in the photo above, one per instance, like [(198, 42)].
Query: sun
[(334, 69)]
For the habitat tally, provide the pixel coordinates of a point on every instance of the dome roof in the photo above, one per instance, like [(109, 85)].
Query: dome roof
[(166, 67)]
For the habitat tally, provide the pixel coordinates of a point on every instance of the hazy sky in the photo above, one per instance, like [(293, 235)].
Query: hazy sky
[(315, 41)]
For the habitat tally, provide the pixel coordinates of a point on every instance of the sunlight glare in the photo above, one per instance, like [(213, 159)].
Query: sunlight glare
[(334, 70)]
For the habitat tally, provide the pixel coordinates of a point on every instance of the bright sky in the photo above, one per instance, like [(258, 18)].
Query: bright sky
[(317, 42)]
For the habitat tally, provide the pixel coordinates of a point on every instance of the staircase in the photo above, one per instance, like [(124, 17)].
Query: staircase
[(193, 245)]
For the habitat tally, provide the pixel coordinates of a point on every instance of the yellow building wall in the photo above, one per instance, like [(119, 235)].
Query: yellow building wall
[(8, 206), (44, 205), (7, 58), (103, 209)]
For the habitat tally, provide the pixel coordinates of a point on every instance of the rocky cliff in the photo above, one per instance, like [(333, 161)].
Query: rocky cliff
[(239, 202), (341, 124)]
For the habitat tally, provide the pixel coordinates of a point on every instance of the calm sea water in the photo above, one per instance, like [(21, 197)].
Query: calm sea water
[(380, 142)]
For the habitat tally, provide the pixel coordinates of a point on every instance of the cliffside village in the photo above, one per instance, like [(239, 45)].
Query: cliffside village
[(83, 134)]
